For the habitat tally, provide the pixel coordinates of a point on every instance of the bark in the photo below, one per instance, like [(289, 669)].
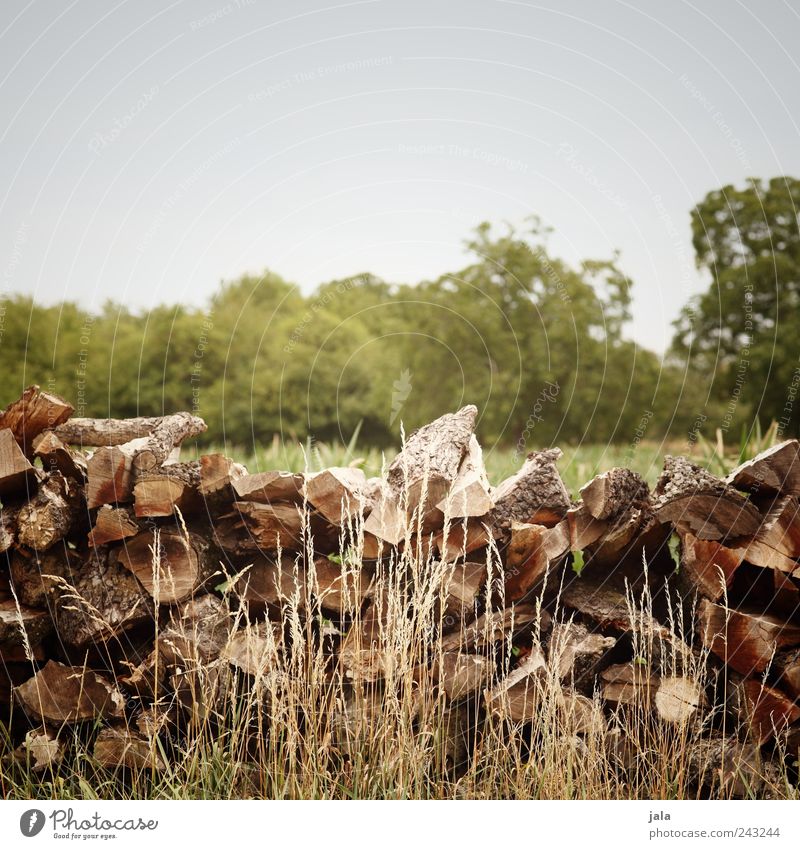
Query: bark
[(775, 471), (33, 413), (160, 492), (49, 515), (614, 492)]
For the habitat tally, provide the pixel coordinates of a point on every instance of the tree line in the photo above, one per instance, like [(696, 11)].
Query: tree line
[(537, 343)]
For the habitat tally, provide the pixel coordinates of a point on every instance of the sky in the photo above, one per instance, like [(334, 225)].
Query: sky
[(149, 150)]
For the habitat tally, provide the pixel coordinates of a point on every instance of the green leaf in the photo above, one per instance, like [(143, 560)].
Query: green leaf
[(577, 562)]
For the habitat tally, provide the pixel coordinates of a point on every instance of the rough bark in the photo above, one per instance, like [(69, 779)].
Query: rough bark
[(577, 655), (470, 493), (21, 625), (49, 515), (34, 412), (33, 573), (160, 492), (614, 492)]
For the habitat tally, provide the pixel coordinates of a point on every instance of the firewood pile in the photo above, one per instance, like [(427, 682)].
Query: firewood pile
[(126, 570)]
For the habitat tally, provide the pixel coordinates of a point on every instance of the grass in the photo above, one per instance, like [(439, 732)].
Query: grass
[(285, 721)]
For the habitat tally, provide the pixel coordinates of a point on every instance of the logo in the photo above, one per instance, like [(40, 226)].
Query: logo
[(31, 822)]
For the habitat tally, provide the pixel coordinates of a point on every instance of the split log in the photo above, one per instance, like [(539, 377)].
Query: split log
[(41, 751), (533, 553), (707, 567), (60, 694), (780, 528), (518, 696), (219, 475), (17, 475), (148, 678), (768, 711), (160, 492), (788, 669), (745, 641), (695, 501), (461, 592), (386, 521), (460, 675), (21, 625), (725, 765), (113, 524), (49, 515), (253, 650), (267, 583), (678, 699), (518, 620), (584, 529), (535, 495), (170, 432), (268, 487), (340, 587), (272, 526), (58, 456), (170, 564), (110, 473), (337, 493), (614, 492), (28, 570), (33, 413), (8, 523), (121, 747), (463, 537), (100, 602), (577, 655), (424, 471), (775, 471), (361, 654), (196, 634), (470, 494)]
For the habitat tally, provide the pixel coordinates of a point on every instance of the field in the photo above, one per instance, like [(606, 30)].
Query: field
[(294, 730)]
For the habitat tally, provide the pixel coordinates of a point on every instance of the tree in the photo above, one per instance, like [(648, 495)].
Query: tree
[(742, 335)]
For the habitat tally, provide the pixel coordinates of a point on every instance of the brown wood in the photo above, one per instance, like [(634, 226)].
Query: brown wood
[(535, 495), (614, 492), (110, 473), (780, 528), (464, 536), (533, 554), (707, 567), (577, 655), (22, 625), (341, 588), (41, 751), (160, 492), (265, 583), (253, 649), (769, 711), (423, 472), (460, 675), (170, 564), (8, 523), (361, 654), (60, 694), (678, 699), (32, 572), (470, 493), (268, 487), (788, 669), (745, 641), (58, 456), (518, 696), (337, 493), (120, 747), (629, 684), (386, 521), (584, 529), (725, 765), (49, 515), (196, 633), (695, 501), (272, 526), (113, 524), (34, 412), (518, 620), (461, 592), (774, 471), (100, 602), (219, 475), (17, 475)]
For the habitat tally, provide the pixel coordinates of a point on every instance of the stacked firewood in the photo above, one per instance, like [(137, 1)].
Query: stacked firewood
[(123, 565)]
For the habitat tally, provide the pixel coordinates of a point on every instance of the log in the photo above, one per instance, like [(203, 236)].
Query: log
[(33, 413), (780, 528), (147, 679), (8, 523), (337, 493), (120, 747), (461, 592), (460, 675), (49, 515), (102, 601), (775, 471), (424, 471), (97, 433), (270, 584), (171, 565), (41, 751), (533, 553), (577, 655), (707, 567), (520, 619), (110, 473), (769, 711), (724, 764), (745, 641), (272, 526), (788, 669), (614, 492), (627, 538), (268, 487), (21, 625), (629, 684), (463, 537), (60, 694), (695, 501), (197, 632), (535, 495), (470, 493), (253, 649), (677, 699), (361, 654), (160, 492), (29, 568), (518, 696), (341, 588), (113, 524), (386, 521), (218, 476), (57, 456), (17, 475), (584, 529)]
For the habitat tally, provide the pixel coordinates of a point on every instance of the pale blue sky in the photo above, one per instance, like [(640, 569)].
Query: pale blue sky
[(150, 149)]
